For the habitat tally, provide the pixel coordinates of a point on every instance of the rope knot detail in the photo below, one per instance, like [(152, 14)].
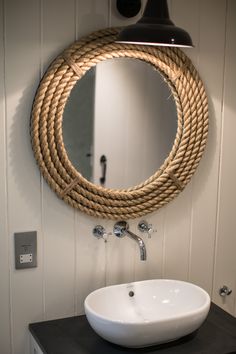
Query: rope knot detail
[(70, 187), (181, 71), (72, 64)]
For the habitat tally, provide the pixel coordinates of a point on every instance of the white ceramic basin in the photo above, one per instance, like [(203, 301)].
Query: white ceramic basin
[(148, 312)]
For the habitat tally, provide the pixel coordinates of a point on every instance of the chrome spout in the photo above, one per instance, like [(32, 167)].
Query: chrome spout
[(142, 248), (121, 228)]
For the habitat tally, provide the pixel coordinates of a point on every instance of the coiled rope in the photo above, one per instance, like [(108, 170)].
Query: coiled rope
[(47, 116)]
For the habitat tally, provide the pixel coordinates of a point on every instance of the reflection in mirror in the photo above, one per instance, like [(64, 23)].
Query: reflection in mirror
[(119, 123), (78, 122)]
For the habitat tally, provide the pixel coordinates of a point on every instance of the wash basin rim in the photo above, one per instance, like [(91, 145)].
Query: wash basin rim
[(184, 315)]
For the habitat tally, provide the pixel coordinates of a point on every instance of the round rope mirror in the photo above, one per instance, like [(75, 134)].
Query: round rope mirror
[(46, 128)]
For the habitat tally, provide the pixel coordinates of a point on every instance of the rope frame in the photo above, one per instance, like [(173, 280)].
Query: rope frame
[(47, 138)]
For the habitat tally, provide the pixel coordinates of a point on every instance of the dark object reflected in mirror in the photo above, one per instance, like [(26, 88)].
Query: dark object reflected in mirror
[(103, 162), (125, 111)]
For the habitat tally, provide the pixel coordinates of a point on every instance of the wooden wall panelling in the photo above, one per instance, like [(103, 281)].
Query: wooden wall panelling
[(205, 182), (90, 252), (177, 237), (71, 263), (5, 336), (22, 73), (58, 31), (90, 259), (225, 263), (91, 15), (153, 267)]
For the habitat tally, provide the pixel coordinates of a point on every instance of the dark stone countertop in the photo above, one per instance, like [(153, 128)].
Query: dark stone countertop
[(74, 335)]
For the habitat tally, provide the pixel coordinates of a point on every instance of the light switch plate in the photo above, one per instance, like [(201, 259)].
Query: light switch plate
[(25, 249)]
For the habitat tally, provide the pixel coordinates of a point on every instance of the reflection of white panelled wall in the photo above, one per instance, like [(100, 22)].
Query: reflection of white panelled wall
[(195, 233), (134, 131)]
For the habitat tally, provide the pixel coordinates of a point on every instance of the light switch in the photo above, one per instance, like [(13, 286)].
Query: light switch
[(25, 249), (26, 258)]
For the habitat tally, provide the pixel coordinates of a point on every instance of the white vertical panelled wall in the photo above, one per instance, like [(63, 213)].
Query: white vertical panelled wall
[(195, 238)]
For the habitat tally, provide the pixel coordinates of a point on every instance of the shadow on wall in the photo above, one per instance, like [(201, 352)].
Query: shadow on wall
[(24, 171), (205, 165), (94, 16)]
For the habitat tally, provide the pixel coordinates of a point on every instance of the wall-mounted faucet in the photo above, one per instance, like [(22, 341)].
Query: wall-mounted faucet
[(121, 229)]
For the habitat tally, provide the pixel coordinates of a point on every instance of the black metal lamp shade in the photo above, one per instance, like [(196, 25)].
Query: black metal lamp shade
[(155, 28)]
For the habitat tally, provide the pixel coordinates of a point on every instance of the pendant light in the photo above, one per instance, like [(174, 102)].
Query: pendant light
[(155, 28)]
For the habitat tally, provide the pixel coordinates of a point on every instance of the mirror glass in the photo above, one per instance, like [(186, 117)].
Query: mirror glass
[(119, 123)]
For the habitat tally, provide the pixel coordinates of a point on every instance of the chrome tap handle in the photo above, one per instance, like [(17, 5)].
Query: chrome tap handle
[(143, 226), (100, 232), (120, 228), (224, 291)]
